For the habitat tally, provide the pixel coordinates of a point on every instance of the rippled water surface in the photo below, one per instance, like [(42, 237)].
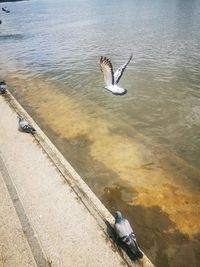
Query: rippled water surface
[(140, 152)]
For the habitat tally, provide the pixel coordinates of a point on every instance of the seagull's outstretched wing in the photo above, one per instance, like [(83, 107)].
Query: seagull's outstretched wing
[(107, 69), (118, 73)]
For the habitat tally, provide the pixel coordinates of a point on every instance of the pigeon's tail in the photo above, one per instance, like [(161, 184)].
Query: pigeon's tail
[(29, 129), (33, 131), (2, 91)]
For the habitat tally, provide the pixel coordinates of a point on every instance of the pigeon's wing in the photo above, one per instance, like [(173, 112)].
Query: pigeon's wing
[(29, 128), (118, 73), (107, 69)]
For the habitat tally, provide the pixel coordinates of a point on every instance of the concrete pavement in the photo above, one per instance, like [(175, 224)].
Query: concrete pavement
[(14, 248)]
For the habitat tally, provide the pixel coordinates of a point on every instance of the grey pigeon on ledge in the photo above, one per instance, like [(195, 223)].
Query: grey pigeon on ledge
[(2, 87), (126, 235), (24, 126)]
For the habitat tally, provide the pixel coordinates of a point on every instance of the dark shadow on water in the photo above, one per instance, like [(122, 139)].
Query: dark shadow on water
[(97, 175), (5, 1), (16, 36)]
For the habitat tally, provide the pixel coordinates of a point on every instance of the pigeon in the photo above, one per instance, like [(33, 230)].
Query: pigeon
[(2, 87), (126, 235), (122, 226), (25, 126), (111, 79)]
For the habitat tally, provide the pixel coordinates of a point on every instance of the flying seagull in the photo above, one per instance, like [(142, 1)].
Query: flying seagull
[(2, 87), (24, 126), (111, 79)]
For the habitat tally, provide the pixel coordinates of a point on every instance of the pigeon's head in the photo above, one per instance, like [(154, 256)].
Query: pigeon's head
[(2, 85), (118, 216), (20, 118), (3, 82)]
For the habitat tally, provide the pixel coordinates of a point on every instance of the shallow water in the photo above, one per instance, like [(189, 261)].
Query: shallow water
[(139, 153)]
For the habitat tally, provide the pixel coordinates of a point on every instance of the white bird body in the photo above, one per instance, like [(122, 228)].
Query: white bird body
[(115, 89), (111, 79)]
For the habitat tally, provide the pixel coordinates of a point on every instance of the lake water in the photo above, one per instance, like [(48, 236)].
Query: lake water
[(140, 153)]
